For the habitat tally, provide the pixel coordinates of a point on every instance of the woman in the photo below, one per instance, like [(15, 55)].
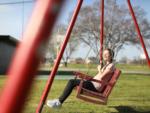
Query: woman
[(103, 74)]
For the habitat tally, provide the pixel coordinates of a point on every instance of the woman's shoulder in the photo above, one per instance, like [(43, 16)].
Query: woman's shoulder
[(111, 66)]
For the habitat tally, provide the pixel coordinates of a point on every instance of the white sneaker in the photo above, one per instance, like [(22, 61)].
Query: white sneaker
[(54, 103)]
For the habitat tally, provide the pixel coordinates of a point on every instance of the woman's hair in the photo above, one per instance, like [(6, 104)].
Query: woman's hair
[(111, 52)]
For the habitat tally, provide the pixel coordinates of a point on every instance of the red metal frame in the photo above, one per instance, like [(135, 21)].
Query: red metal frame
[(101, 30), (138, 31), (88, 95), (54, 70), (27, 56)]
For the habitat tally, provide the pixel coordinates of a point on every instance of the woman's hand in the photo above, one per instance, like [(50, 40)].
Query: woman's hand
[(99, 68)]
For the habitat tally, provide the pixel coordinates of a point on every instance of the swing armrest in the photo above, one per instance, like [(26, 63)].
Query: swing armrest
[(87, 77), (102, 82), (82, 76)]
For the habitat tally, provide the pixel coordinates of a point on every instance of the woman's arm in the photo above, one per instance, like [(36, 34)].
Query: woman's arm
[(99, 68), (108, 70)]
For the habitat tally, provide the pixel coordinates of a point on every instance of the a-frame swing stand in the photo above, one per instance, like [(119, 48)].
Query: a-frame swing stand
[(67, 36)]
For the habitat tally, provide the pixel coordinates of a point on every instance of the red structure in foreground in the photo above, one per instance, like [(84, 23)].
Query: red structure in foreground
[(28, 54)]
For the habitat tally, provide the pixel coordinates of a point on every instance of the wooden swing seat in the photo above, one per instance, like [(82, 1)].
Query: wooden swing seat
[(96, 97)]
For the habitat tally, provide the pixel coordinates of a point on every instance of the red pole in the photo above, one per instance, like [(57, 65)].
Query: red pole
[(54, 70), (138, 31), (101, 30), (26, 59)]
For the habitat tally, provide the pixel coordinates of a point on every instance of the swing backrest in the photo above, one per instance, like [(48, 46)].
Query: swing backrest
[(97, 97), (108, 88)]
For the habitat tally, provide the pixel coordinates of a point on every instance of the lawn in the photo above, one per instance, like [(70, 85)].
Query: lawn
[(93, 67), (130, 95)]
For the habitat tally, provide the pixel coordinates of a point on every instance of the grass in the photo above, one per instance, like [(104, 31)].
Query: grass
[(130, 95), (93, 67), (133, 67)]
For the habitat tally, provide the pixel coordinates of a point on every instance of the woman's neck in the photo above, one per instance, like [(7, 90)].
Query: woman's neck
[(107, 62)]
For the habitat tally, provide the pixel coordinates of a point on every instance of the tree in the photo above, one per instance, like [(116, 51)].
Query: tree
[(119, 29), (56, 41), (123, 60), (70, 49)]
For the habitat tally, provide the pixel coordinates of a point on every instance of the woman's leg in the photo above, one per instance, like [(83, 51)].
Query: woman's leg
[(68, 89), (89, 85)]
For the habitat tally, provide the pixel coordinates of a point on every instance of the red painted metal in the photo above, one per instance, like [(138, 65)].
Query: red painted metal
[(27, 56), (101, 30), (54, 70), (96, 97), (138, 31)]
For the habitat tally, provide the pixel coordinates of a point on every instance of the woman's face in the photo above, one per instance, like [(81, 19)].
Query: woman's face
[(106, 56)]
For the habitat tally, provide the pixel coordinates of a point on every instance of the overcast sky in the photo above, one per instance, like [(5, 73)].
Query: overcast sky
[(14, 18)]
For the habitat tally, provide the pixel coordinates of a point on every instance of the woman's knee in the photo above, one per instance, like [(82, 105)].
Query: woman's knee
[(73, 82)]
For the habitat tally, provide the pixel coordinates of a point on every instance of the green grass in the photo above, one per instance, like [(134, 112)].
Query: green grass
[(130, 95), (93, 67), (133, 67)]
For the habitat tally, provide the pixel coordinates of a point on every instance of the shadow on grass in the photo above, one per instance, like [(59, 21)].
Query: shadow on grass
[(127, 109)]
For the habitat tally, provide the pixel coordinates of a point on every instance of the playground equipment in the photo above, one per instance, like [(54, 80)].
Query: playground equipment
[(116, 73), (27, 56), (44, 96), (97, 97)]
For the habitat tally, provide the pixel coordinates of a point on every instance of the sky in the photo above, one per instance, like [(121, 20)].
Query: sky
[(14, 18)]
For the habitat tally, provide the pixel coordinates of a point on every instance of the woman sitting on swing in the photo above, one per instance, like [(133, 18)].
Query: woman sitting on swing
[(103, 72)]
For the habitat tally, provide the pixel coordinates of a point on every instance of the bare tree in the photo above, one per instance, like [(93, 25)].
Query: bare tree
[(119, 29), (53, 44), (56, 42), (51, 51), (70, 49)]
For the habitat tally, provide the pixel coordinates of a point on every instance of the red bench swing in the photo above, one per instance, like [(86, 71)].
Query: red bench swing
[(96, 97), (91, 96)]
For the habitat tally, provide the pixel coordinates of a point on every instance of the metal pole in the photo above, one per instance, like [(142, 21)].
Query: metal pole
[(138, 31), (54, 70), (27, 56), (101, 30)]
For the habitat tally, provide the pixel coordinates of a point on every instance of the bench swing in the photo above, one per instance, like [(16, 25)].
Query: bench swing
[(96, 97), (91, 96)]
